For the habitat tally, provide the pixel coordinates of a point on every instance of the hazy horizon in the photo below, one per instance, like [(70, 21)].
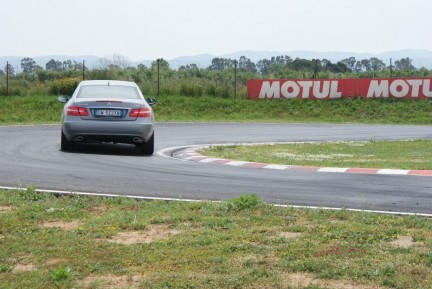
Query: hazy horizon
[(142, 29)]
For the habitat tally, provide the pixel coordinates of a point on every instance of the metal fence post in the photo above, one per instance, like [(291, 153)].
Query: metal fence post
[(391, 68), (158, 76), (83, 70), (315, 69), (7, 78), (235, 78)]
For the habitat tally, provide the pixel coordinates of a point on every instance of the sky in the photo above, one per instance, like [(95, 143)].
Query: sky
[(145, 30)]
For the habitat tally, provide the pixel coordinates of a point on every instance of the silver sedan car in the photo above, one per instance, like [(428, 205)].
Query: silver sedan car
[(108, 111)]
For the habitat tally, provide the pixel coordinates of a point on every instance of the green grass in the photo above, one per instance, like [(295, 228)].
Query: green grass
[(45, 109), (240, 243), (29, 110), (183, 108), (413, 155)]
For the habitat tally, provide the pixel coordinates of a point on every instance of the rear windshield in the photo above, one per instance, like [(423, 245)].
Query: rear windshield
[(105, 91)]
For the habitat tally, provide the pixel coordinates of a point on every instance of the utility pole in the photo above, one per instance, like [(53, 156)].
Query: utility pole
[(235, 78), (391, 68), (316, 69), (158, 75), (7, 78)]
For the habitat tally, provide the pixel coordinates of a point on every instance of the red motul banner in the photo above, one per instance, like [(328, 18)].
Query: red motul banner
[(340, 88)]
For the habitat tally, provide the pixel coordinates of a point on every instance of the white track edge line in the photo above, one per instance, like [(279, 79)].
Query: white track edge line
[(198, 201), (101, 195)]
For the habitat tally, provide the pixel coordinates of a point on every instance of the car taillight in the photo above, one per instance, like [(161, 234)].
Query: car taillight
[(76, 111), (140, 112)]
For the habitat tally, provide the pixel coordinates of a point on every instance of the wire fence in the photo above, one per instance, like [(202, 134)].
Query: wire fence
[(222, 77)]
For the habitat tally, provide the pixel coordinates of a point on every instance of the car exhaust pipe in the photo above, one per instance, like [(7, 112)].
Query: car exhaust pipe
[(79, 139), (137, 140)]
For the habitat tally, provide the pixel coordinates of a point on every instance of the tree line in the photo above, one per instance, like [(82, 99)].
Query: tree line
[(224, 77), (274, 65), (29, 66), (350, 64)]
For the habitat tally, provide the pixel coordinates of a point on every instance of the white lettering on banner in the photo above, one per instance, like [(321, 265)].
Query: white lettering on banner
[(334, 93), (325, 90), (270, 91), (293, 89), (427, 89), (394, 88), (399, 88), (415, 84), (307, 85), (377, 89), (290, 86)]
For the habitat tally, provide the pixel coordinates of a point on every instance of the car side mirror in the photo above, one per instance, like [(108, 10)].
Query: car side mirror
[(151, 101), (63, 98)]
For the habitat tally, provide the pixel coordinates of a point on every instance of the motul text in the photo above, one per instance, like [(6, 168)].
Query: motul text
[(340, 88)]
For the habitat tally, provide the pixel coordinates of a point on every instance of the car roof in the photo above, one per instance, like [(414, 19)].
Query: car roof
[(107, 82)]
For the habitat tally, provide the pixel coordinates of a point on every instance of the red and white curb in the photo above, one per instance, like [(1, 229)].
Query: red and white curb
[(191, 154)]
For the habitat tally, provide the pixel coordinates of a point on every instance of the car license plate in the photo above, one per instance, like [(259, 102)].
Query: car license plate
[(108, 112)]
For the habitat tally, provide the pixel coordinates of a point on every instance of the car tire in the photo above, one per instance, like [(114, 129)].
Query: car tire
[(65, 145), (147, 148)]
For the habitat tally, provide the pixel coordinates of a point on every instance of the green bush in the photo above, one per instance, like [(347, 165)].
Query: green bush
[(63, 86), (211, 89), (224, 91), (13, 90), (189, 89), (43, 75), (244, 202), (60, 274)]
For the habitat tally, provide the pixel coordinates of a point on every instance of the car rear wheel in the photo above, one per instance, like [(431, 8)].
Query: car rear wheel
[(147, 148), (65, 144)]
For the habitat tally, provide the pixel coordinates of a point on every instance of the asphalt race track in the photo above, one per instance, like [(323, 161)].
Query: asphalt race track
[(30, 155)]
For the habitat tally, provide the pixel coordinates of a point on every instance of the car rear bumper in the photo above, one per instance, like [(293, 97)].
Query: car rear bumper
[(103, 131)]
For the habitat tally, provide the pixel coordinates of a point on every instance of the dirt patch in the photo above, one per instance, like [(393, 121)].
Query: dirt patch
[(60, 224), (112, 281), (302, 280), (23, 268), (336, 221), (289, 235), (5, 209), (55, 261), (98, 210), (403, 242), (406, 242), (152, 234)]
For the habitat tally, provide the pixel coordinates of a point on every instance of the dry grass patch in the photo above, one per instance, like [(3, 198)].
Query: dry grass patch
[(112, 281), (302, 280), (289, 235), (152, 234), (406, 242), (5, 209), (403, 242), (55, 261), (99, 210), (23, 268), (60, 224)]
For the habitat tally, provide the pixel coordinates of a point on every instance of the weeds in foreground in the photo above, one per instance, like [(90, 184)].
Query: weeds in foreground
[(243, 242)]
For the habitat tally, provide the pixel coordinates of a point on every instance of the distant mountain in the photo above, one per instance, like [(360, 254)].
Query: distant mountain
[(421, 58), (202, 60)]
